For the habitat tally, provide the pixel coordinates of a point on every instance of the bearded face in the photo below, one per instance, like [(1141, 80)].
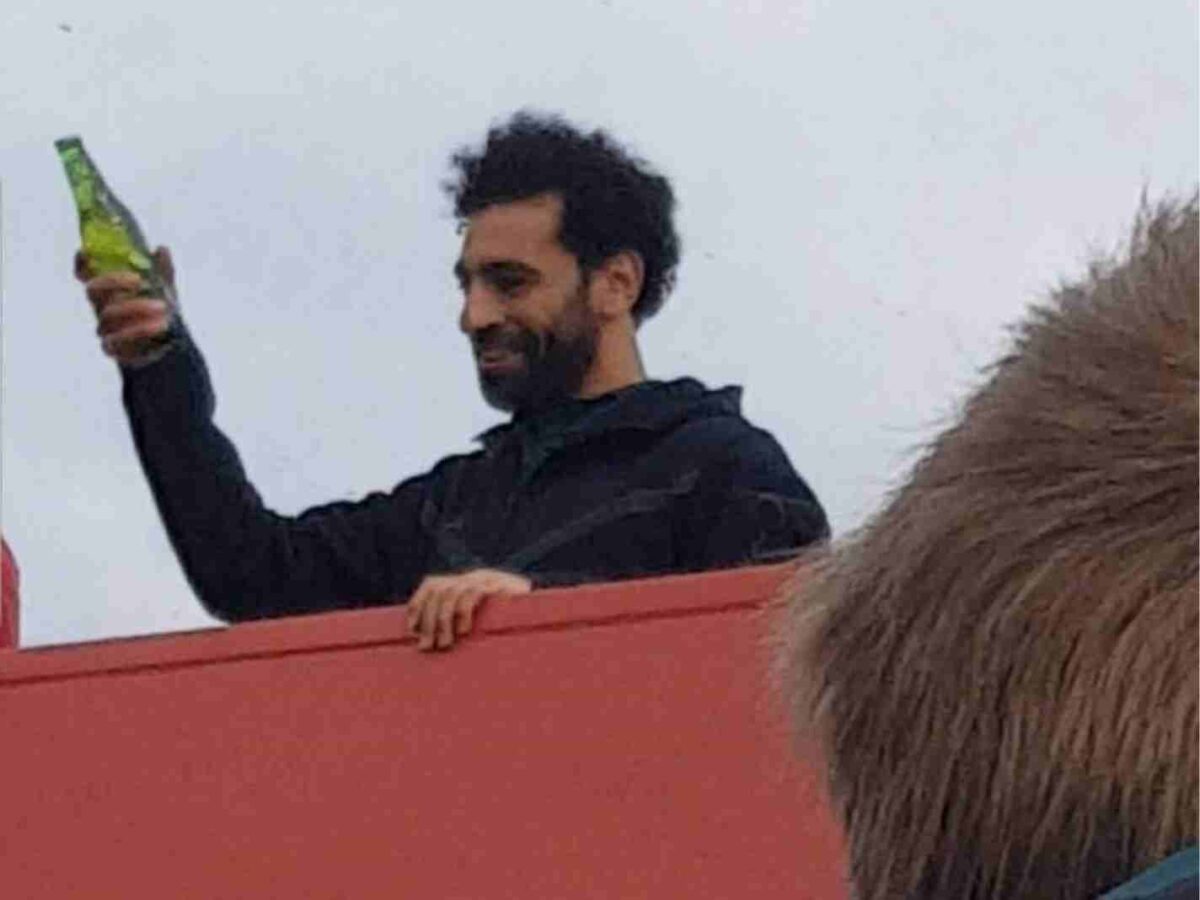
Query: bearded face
[(526, 306), (523, 368)]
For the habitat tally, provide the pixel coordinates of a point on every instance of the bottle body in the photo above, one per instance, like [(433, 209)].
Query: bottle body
[(112, 239)]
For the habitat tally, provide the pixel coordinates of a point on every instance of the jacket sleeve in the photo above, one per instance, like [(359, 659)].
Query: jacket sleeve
[(750, 507), (242, 560)]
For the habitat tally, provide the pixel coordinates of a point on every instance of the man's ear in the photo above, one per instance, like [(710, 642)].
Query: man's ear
[(616, 284)]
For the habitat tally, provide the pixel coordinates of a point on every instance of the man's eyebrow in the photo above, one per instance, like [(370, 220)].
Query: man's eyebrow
[(509, 267), (498, 267)]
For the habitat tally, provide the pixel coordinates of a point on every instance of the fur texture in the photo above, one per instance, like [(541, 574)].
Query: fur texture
[(1002, 665)]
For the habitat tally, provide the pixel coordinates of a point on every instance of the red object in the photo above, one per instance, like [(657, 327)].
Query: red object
[(615, 741), (10, 597)]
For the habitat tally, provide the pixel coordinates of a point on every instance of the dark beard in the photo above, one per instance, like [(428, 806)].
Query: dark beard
[(554, 363)]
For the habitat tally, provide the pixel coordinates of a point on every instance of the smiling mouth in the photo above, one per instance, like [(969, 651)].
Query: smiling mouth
[(495, 361)]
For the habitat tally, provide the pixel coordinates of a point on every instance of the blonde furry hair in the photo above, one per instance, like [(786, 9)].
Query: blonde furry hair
[(1001, 667)]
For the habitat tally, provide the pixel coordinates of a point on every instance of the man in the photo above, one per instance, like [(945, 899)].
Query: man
[(569, 245)]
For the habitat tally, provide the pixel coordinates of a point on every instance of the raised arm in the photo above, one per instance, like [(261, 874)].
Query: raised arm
[(243, 560)]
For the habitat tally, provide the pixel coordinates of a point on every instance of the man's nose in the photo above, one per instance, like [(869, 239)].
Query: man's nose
[(481, 309)]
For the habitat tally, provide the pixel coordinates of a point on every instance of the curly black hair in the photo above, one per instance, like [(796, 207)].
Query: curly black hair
[(611, 200)]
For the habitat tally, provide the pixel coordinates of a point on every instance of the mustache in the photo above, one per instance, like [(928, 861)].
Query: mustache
[(498, 340)]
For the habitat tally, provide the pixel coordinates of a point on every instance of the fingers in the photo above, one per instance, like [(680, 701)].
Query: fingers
[(114, 287), (456, 617), (466, 614), (134, 311), (443, 607), (442, 610), (446, 614), (424, 612), (104, 289), (418, 613), (415, 605), (134, 328)]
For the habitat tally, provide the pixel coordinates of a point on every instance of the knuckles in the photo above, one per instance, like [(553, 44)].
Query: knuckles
[(439, 600), (114, 282)]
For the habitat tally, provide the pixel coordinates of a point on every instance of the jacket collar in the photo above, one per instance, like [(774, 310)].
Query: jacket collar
[(647, 406)]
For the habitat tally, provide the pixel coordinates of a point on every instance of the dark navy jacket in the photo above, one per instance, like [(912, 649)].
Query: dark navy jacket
[(656, 478)]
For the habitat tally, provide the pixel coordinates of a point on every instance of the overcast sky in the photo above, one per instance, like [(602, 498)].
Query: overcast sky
[(869, 193)]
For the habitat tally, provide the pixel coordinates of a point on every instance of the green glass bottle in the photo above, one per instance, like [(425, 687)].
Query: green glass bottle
[(112, 240)]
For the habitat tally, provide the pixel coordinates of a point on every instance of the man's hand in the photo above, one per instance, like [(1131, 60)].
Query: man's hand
[(132, 328), (443, 607)]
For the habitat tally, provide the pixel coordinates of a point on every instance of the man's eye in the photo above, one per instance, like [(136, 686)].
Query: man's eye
[(508, 285)]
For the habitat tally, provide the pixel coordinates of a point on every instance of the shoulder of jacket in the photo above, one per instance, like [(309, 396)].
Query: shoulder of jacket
[(728, 430)]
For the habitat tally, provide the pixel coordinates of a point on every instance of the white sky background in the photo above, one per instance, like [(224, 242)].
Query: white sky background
[(869, 193)]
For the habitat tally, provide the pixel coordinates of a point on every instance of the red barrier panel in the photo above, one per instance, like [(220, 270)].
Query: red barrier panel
[(612, 741), (10, 592)]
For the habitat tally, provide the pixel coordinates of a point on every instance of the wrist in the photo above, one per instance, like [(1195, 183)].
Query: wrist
[(156, 348)]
